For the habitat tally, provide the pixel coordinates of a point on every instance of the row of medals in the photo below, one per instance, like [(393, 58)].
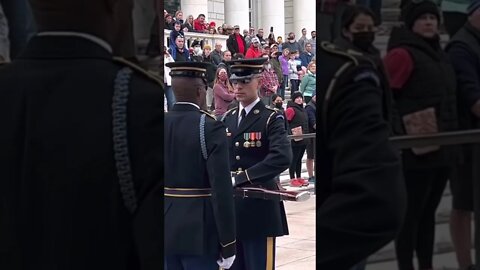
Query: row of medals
[(252, 139)]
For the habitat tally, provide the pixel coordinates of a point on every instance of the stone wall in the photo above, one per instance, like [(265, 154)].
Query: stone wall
[(216, 11)]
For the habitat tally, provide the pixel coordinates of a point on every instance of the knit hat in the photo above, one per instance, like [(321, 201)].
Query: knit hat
[(296, 94), (474, 5), (412, 11)]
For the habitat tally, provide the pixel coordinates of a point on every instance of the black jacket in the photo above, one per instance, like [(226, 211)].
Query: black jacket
[(232, 44), (267, 155), (202, 225), (464, 53), (361, 198), (59, 178), (300, 119), (432, 84)]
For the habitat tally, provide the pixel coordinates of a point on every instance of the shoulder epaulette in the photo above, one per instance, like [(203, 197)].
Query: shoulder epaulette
[(149, 75), (232, 111), (271, 109), (270, 117), (331, 48), (208, 114)]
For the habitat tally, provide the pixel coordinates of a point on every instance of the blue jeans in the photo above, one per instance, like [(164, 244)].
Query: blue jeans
[(170, 97)]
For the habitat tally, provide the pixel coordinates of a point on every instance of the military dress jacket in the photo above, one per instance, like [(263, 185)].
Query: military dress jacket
[(197, 225), (61, 203), (259, 152), (360, 192)]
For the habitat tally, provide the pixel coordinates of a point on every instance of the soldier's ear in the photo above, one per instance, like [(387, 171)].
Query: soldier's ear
[(260, 81)]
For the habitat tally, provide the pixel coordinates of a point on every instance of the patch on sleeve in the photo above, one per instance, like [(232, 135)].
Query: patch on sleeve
[(367, 76)]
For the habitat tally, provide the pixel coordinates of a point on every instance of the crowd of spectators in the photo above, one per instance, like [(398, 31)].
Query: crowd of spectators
[(290, 65)]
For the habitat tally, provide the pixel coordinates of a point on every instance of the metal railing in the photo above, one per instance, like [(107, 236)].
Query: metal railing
[(409, 141)]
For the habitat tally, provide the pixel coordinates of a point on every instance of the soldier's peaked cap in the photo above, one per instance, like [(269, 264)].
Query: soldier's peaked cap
[(189, 69), (246, 68)]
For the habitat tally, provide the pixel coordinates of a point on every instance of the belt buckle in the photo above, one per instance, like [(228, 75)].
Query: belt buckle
[(245, 193)]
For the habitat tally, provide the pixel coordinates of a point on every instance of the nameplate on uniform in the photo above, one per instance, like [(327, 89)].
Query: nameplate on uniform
[(252, 139)]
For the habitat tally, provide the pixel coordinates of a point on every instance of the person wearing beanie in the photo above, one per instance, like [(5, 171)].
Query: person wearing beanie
[(464, 51), (425, 101), (298, 124)]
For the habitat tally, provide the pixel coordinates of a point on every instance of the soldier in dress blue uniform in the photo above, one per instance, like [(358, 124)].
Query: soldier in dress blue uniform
[(62, 203), (361, 195), (259, 152), (199, 209)]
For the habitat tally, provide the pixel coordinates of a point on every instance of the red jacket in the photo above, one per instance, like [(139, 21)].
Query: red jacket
[(253, 52), (198, 26)]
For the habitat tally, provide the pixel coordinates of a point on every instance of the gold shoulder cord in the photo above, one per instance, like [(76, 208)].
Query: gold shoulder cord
[(208, 114), (329, 47), (157, 79)]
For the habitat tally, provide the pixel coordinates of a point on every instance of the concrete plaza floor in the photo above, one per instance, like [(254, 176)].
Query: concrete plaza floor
[(297, 250)]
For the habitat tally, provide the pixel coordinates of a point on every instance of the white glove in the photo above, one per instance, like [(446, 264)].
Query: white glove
[(226, 263)]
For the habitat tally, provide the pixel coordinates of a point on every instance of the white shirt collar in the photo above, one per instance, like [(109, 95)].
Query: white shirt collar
[(249, 107), (188, 103), (90, 37)]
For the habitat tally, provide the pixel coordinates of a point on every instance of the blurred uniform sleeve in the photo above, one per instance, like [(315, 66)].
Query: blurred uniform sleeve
[(366, 203)]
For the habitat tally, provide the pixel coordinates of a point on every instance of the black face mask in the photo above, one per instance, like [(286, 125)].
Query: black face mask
[(279, 105), (363, 40)]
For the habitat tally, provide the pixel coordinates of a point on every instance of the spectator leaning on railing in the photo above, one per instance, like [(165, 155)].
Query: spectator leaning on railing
[(188, 25), (199, 25)]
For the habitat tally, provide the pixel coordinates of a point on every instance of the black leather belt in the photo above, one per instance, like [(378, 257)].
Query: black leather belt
[(187, 192)]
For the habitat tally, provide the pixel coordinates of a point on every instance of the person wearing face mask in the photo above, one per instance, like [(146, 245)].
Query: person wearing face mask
[(277, 104), (358, 24), (197, 55), (423, 83), (223, 91)]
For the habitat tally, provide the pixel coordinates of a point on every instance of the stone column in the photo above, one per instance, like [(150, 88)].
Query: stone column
[(236, 12), (194, 7), (273, 14), (304, 17)]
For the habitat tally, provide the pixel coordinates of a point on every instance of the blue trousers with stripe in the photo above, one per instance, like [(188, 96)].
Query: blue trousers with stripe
[(258, 254)]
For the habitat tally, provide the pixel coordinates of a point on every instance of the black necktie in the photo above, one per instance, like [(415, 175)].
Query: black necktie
[(242, 115)]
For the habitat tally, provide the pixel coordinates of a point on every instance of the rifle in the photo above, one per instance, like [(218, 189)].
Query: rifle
[(267, 194)]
